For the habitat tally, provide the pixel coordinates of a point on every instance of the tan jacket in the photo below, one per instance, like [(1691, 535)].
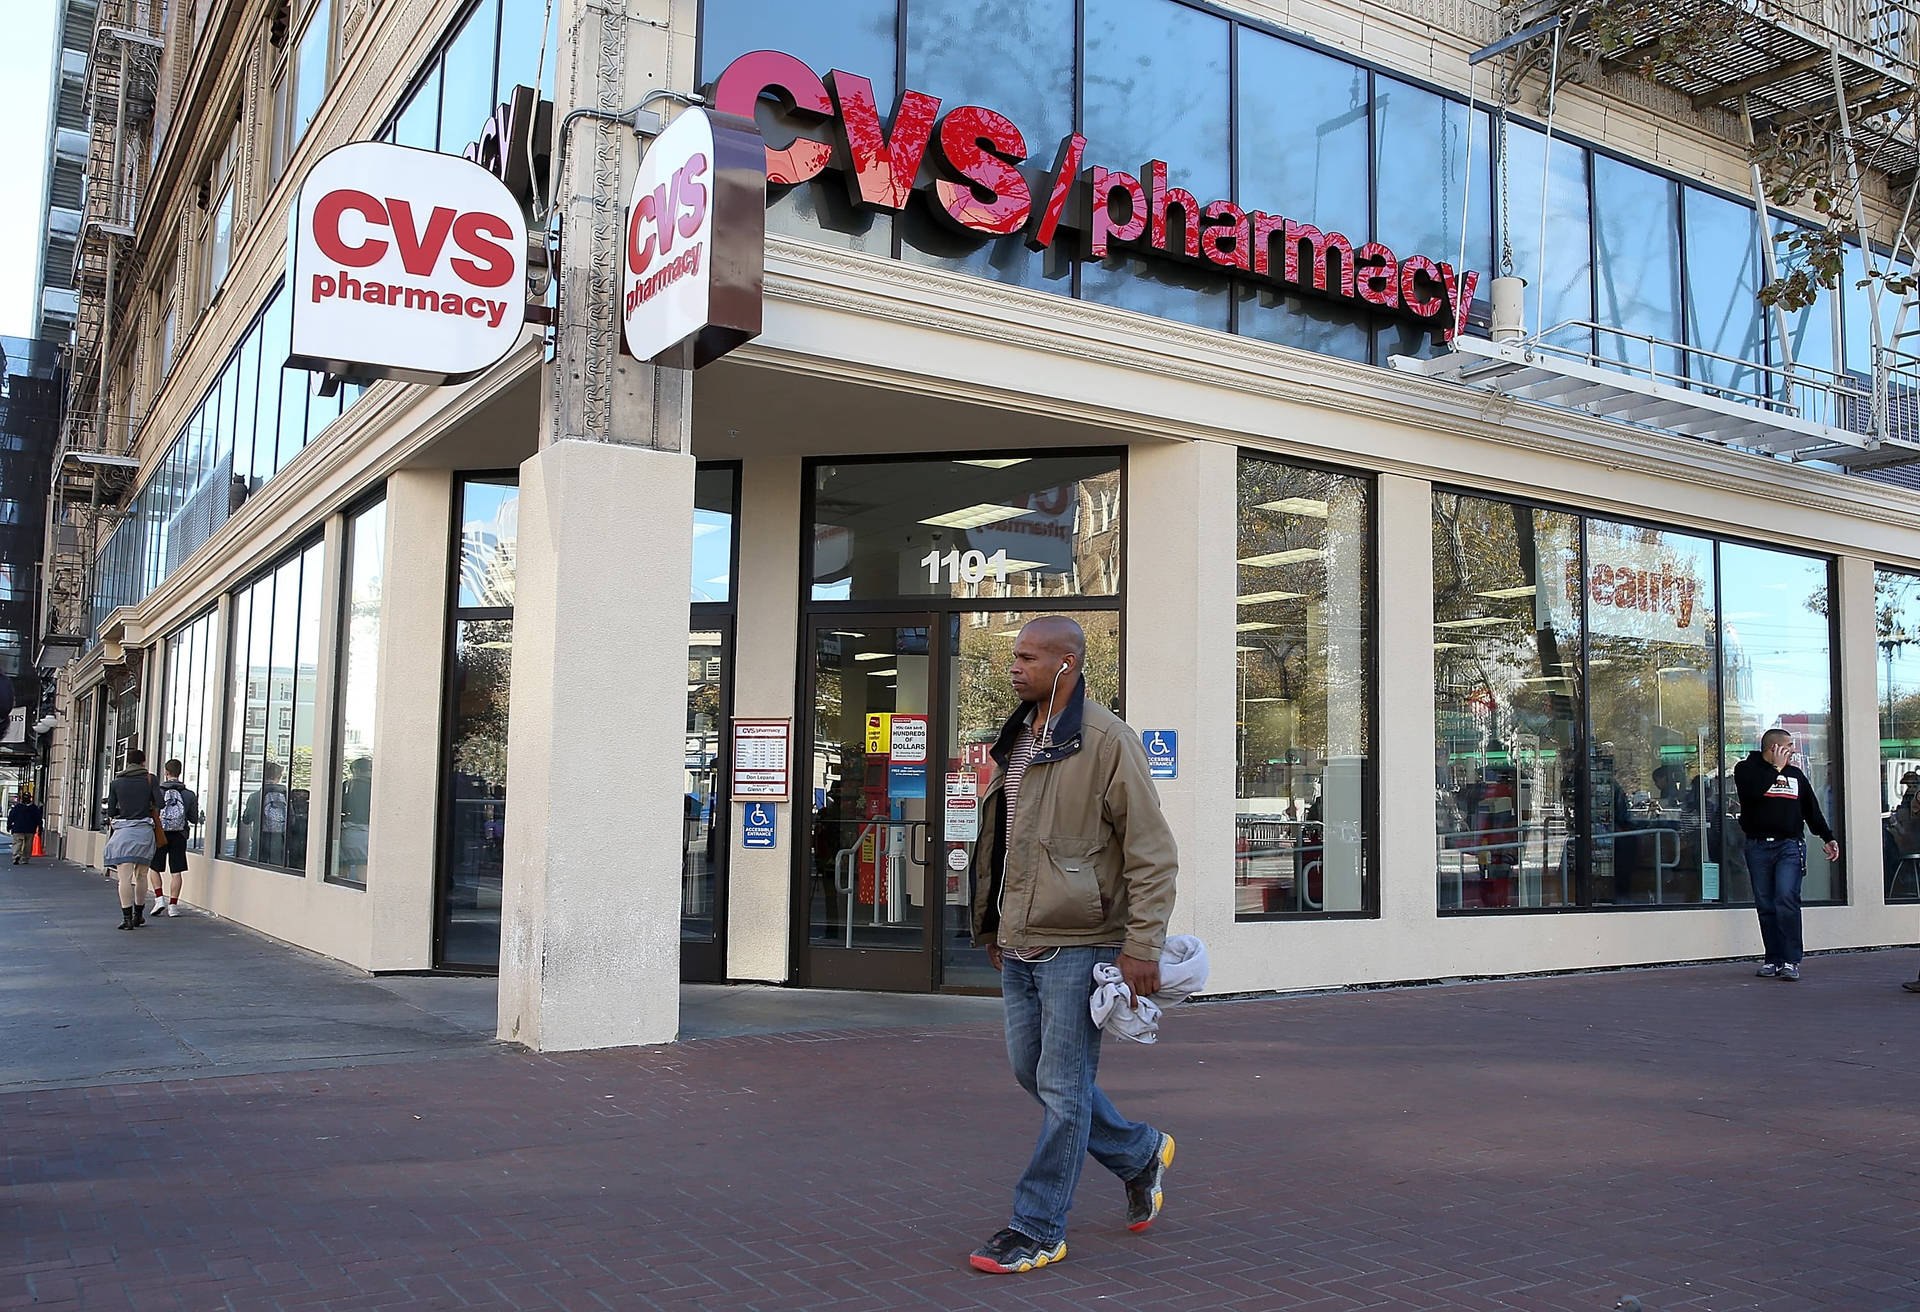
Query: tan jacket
[(1090, 859)]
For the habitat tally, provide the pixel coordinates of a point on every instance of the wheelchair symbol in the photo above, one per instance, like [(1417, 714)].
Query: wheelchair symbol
[(758, 817), (1157, 744)]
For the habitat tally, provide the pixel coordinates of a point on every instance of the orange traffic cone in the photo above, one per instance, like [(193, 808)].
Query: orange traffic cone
[(39, 848)]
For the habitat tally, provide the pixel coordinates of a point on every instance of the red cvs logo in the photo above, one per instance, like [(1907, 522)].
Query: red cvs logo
[(671, 209), (485, 262)]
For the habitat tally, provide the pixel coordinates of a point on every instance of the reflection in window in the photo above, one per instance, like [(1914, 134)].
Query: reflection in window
[(713, 499), (276, 656), (1507, 696), (1302, 154), (1654, 737), (1637, 263), (1777, 670), (489, 536), (975, 528), (1421, 154), (1723, 289), (860, 38), (1302, 698), (1605, 779), (1560, 288), (1897, 618), (1016, 57), (466, 96), (359, 678), (704, 824), (1156, 87), (187, 714)]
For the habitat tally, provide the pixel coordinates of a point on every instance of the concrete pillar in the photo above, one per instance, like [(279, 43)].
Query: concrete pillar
[(1180, 659), (590, 916), (402, 819), (1859, 725), (766, 636), (1403, 741)]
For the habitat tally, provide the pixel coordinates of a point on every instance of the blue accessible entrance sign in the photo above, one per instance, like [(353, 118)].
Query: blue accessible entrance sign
[(757, 824), (1163, 752)]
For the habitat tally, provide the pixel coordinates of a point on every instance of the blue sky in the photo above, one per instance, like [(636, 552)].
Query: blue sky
[(26, 66)]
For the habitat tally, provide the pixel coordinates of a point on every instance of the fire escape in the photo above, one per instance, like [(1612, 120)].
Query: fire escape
[(1837, 80), (94, 464)]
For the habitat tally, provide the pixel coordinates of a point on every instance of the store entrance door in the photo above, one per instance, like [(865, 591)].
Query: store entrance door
[(867, 900)]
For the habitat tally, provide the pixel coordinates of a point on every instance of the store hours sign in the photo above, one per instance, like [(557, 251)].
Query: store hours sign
[(404, 264)]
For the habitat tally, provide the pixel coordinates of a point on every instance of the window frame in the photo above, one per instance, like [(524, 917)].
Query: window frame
[(350, 514)]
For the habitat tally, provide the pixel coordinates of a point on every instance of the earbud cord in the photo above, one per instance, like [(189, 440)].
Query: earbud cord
[(1047, 732)]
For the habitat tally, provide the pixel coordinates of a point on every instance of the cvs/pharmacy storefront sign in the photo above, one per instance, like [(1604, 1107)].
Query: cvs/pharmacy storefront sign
[(695, 259), (404, 264)]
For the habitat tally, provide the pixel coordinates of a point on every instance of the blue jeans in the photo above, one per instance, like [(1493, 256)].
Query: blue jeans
[(1777, 868), (1055, 1050)]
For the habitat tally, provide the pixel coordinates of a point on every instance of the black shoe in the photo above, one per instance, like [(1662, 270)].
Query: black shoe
[(139, 916), (1912, 986), (1146, 1191), (126, 917), (1010, 1252)]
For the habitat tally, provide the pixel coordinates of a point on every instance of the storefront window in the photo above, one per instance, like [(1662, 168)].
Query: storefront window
[(1777, 670), (704, 827), (1723, 289), (1304, 787), (713, 498), (359, 680), (1897, 620), (187, 709), (489, 534), (276, 654), (1637, 262), (1011, 527), (1560, 286), (1433, 190), (1596, 682)]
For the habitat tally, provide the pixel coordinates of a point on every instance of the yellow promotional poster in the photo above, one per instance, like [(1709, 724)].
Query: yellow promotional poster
[(879, 734)]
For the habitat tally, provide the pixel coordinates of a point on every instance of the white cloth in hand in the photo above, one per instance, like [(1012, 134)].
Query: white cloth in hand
[(1183, 972)]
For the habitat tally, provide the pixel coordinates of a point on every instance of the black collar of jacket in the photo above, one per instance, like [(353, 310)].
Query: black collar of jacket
[(1065, 740)]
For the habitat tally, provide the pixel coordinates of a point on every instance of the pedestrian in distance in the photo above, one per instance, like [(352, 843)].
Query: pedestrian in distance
[(1075, 869), (133, 808), (179, 808), (23, 822), (1777, 807)]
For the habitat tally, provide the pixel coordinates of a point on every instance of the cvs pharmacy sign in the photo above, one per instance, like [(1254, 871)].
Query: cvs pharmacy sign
[(695, 252), (404, 264)]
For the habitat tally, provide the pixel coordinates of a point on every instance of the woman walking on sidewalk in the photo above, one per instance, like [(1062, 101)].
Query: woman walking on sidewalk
[(133, 803)]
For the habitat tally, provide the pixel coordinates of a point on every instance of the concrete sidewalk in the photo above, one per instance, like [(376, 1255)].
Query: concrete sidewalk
[(1694, 1138), (193, 996)]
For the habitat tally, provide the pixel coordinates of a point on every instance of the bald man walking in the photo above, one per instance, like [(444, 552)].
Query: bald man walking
[(1074, 868)]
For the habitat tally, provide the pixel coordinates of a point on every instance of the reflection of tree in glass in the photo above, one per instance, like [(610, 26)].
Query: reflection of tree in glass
[(983, 698), (486, 661)]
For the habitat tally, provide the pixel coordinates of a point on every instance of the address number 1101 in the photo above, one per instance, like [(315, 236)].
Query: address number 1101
[(964, 566)]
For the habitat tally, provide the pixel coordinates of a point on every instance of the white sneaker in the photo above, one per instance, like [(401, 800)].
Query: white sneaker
[(173, 908), (155, 908)]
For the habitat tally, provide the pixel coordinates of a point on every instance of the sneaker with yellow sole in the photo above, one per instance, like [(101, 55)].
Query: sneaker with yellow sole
[(1147, 1190), (1011, 1252)]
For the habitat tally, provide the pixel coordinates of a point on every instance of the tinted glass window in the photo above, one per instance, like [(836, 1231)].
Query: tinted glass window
[(1016, 58), (489, 534), (1897, 616), (525, 52), (1020, 527), (419, 123), (1637, 273), (359, 677), (1427, 196), (1302, 155), (1560, 288), (713, 497), (1723, 289), (1156, 87), (859, 37), (466, 91)]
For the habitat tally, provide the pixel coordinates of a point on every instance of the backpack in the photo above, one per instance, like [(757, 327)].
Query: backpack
[(273, 812), (173, 811)]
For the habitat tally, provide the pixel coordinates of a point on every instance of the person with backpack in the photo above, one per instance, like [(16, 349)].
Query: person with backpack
[(23, 822), (179, 808), (264, 818), (133, 806)]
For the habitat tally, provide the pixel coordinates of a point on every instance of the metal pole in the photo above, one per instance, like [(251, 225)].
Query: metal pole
[(1875, 364), (1769, 266), (1546, 178)]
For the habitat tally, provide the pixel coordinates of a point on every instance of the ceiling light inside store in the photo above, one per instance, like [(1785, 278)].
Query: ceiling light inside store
[(1251, 700), (1247, 626), (1677, 669), (1526, 590), (995, 464), (976, 516), (1473, 622), (1022, 566), (1306, 506), (1448, 646), (845, 633), (1255, 598), (1546, 678), (873, 655), (1597, 664), (1283, 557), (879, 674)]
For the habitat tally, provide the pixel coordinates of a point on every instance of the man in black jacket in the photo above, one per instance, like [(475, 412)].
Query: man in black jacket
[(1777, 807)]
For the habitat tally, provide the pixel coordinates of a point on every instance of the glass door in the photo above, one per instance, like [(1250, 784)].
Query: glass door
[(703, 838), (862, 866)]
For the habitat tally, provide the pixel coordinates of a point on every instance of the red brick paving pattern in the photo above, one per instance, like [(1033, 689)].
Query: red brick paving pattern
[(1696, 1138)]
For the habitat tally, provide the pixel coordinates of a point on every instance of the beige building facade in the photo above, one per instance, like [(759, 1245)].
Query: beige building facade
[(1440, 680)]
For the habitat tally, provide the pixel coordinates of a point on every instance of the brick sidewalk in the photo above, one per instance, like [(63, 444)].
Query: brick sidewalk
[(1693, 1137)]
